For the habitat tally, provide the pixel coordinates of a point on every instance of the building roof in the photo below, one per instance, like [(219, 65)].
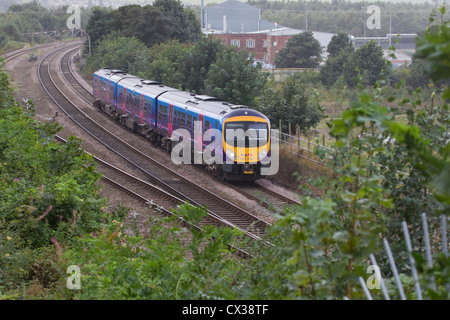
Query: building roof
[(235, 16), (234, 4), (323, 37)]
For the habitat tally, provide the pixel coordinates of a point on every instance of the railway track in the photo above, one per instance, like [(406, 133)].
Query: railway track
[(154, 172), (266, 197), (155, 198), (16, 53)]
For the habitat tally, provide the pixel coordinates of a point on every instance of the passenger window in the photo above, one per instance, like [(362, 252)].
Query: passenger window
[(111, 92), (189, 122), (183, 119), (194, 122)]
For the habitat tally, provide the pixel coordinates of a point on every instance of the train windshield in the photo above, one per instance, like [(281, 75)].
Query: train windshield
[(254, 133)]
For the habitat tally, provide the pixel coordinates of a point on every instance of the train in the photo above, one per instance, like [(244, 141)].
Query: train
[(231, 141)]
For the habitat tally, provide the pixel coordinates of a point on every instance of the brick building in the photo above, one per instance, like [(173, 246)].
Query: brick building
[(266, 44), (239, 24)]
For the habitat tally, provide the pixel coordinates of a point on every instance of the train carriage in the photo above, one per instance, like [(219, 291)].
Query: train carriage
[(238, 137)]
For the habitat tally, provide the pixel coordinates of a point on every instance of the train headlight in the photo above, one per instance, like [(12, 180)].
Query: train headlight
[(262, 154), (231, 154)]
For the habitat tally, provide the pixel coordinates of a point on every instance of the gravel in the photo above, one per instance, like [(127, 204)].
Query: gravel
[(23, 75)]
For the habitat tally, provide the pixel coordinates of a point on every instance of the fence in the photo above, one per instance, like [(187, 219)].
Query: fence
[(304, 147), (414, 272)]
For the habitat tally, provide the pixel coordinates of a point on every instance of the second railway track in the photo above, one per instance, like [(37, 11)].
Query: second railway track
[(154, 172), (266, 197)]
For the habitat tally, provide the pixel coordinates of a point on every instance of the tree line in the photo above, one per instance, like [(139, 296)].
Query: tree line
[(348, 16), (151, 24), (21, 19)]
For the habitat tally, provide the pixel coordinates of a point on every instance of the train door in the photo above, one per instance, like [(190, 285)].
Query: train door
[(125, 98), (148, 111), (136, 106), (120, 97), (169, 125), (107, 92), (200, 133), (98, 85), (141, 113)]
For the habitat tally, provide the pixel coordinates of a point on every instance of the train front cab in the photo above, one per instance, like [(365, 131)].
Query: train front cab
[(243, 153)]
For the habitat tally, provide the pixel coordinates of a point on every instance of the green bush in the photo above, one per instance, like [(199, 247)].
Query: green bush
[(48, 192)]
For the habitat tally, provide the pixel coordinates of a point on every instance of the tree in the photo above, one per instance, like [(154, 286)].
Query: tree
[(289, 103), (434, 48), (117, 52), (99, 24), (301, 51), (194, 65), (233, 78), (162, 62), (334, 66), (152, 24), (340, 41), (180, 24), (368, 61)]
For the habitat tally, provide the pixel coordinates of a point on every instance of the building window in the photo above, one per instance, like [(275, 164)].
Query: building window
[(250, 43), (236, 43), (264, 43), (264, 57)]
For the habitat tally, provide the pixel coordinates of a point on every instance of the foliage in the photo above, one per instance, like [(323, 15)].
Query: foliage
[(98, 24), (340, 48), (117, 52), (30, 17), (206, 67), (196, 62), (367, 60), (152, 24), (291, 103), (48, 192), (234, 79), (334, 66), (434, 47), (302, 51), (339, 42), (119, 265), (162, 62), (335, 16)]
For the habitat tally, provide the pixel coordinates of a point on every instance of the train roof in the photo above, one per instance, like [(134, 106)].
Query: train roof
[(183, 99), (204, 103), (149, 87)]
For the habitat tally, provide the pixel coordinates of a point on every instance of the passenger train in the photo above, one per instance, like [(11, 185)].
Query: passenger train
[(167, 117)]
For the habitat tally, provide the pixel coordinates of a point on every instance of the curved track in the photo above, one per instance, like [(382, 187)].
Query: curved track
[(153, 171), (8, 56), (266, 197), (149, 194)]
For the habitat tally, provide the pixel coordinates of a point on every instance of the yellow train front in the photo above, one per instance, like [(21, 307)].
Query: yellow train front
[(246, 141)]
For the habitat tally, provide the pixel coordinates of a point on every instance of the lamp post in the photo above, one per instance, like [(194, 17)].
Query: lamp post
[(365, 9), (306, 16), (390, 24)]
